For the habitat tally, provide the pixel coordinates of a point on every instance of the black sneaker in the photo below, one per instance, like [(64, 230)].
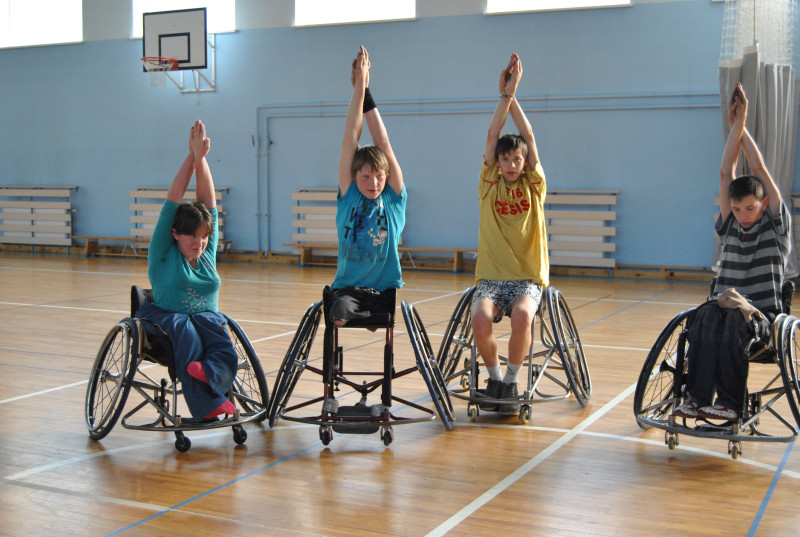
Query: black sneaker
[(509, 391), (493, 389)]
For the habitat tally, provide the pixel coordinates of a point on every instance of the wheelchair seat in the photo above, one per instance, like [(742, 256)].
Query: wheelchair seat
[(335, 415), (139, 296), (120, 369), (381, 313), (156, 344)]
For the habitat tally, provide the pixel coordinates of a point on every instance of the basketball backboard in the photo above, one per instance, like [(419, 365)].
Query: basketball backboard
[(179, 34)]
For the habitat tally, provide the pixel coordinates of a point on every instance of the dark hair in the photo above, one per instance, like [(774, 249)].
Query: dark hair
[(746, 185), (191, 216), (511, 142), (371, 156)]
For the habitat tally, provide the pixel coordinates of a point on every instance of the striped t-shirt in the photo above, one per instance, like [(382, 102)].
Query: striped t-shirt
[(753, 260)]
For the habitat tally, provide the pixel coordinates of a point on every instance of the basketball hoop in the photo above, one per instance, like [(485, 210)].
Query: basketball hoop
[(157, 67)]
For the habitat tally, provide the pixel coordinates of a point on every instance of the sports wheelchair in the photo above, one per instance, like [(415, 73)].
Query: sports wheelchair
[(561, 350), (130, 349), (661, 385), (358, 418)]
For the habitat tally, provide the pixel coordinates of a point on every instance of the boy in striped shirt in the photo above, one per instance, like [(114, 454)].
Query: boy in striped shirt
[(754, 229)]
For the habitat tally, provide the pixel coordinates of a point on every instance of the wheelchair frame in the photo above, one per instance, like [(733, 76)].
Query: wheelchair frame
[(560, 340), (357, 419), (121, 365), (660, 388)]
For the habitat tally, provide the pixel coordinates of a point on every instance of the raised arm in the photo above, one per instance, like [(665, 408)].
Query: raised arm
[(183, 177), (509, 80), (200, 148), (759, 169), (380, 137), (521, 120), (737, 114), (195, 164), (354, 120), (740, 137)]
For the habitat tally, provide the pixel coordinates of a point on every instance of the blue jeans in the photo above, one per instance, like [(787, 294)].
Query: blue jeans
[(201, 337)]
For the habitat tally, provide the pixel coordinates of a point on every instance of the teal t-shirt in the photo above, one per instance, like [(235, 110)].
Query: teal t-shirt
[(369, 233), (176, 285)]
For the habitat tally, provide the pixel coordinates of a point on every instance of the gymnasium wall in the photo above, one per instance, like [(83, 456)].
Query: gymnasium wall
[(623, 99)]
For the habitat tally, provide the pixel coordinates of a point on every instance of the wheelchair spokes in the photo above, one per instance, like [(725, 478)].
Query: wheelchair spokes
[(110, 379)]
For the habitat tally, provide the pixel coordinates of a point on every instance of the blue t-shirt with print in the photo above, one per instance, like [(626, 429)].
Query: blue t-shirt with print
[(369, 233)]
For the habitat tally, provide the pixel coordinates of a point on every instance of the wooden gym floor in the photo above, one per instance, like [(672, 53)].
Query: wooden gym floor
[(570, 471)]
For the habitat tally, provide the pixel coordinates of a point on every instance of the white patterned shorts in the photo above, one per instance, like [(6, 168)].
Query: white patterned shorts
[(503, 294)]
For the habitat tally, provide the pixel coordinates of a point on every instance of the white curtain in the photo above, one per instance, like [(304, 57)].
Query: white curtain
[(772, 94)]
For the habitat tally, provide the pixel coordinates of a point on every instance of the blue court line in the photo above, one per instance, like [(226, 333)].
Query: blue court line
[(231, 482), (770, 491), (210, 491)]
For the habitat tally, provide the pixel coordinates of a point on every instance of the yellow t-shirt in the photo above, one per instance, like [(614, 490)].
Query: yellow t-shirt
[(512, 240)]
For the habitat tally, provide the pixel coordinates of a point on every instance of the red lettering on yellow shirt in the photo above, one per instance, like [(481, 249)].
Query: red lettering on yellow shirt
[(506, 208)]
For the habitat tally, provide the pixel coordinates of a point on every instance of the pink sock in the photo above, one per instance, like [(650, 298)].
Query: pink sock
[(225, 408), (195, 369)]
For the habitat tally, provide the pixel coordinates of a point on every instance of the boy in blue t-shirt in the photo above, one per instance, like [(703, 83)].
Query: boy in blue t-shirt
[(369, 217)]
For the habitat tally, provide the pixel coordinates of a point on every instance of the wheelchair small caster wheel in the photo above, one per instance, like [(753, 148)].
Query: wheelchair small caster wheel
[(734, 449), (325, 435), (182, 443), (525, 414), (387, 435), (472, 411), (671, 439), (239, 435), (465, 381)]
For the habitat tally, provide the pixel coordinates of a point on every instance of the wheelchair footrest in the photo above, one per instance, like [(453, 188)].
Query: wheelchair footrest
[(359, 419)]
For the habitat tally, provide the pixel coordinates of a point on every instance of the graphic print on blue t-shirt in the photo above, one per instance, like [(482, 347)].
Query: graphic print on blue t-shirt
[(366, 231)]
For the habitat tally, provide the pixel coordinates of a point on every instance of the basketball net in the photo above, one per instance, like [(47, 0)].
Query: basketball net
[(157, 67)]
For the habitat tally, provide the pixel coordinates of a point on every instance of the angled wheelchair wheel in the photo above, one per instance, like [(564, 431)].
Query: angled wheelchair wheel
[(789, 362), (294, 362), (111, 377), (663, 372), (457, 337), (569, 346), (249, 388), (426, 365)]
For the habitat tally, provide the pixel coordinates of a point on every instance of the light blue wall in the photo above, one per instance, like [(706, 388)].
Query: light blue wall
[(622, 99)]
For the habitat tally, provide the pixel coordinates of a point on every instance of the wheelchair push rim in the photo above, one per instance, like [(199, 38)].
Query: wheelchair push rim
[(655, 396), (427, 365), (111, 376), (294, 362), (249, 389), (569, 346)]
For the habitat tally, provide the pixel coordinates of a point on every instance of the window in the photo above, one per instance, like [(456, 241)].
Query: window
[(220, 14), (510, 6), (319, 12), (26, 23)]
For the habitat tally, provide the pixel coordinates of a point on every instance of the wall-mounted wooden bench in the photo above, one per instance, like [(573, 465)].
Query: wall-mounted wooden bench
[(581, 227), (145, 207), (36, 215)]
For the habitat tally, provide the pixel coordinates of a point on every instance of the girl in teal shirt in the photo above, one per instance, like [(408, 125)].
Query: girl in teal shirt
[(181, 265)]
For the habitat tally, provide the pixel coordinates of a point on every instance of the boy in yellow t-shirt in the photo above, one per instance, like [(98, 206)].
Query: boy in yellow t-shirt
[(513, 266)]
